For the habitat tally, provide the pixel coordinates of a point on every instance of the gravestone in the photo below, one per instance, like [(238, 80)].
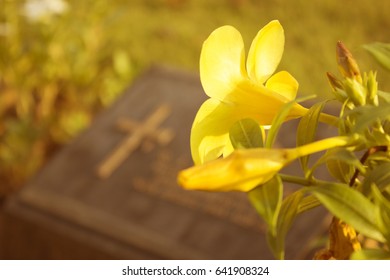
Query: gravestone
[(112, 192)]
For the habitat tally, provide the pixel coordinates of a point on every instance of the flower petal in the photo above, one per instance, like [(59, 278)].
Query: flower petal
[(260, 103), (266, 52), (222, 61), (210, 131), (284, 84)]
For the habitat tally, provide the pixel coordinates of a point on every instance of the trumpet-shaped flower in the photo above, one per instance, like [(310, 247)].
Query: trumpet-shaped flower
[(239, 90), (240, 171), (243, 170)]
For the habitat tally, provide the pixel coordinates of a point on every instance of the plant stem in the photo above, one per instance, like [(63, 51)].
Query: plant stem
[(295, 180), (301, 181), (329, 119), (369, 152)]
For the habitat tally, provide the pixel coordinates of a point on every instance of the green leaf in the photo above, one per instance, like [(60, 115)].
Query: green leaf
[(384, 211), (307, 129), (341, 163), (350, 206), (371, 254), (366, 115), (307, 203), (380, 176), (246, 134), (287, 214), (340, 170), (377, 136), (385, 96), (267, 200), (381, 53), (279, 119)]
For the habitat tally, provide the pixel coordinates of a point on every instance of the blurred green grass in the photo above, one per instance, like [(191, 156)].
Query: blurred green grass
[(57, 72)]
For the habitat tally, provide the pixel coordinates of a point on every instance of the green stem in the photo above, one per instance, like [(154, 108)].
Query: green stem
[(301, 181), (329, 119), (295, 179), (369, 152)]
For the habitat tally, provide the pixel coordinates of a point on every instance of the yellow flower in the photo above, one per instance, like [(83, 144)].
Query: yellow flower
[(240, 171), (243, 170), (239, 91)]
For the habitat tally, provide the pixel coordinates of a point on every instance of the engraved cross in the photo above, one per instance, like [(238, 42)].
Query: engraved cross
[(140, 135)]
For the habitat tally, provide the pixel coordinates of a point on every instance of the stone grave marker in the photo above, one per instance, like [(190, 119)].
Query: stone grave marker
[(112, 192)]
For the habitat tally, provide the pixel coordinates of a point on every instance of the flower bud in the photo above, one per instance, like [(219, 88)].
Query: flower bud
[(347, 64), (337, 87), (334, 82), (355, 91), (372, 88), (243, 170)]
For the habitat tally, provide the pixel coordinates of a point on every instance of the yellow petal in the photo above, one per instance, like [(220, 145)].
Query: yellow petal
[(261, 103), (242, 171), (266, 52), (210, 131), (283, 84), (222, 61)]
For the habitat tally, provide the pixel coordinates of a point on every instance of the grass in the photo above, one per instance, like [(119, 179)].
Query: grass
[(56, 74), (174, 33)]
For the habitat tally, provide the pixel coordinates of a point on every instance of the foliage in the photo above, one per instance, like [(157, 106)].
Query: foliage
[(358, 158), (52, 83)]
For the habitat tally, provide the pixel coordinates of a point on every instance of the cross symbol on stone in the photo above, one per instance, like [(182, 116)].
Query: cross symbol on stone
[(140, 135)]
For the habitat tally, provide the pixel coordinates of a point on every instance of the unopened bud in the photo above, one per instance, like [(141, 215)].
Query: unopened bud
[(347, 64), (372, 88), (355, 91), (337, 87), (334, 82)]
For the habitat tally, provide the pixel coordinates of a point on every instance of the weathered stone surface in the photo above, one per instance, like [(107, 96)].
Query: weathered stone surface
[(137, 211)]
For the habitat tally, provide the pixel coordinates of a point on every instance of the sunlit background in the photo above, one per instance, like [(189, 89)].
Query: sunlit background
[(63, 61)]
